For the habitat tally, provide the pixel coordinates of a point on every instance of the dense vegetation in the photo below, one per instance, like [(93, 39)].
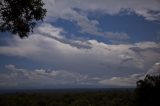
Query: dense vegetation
[(147, 93), (99, 98)]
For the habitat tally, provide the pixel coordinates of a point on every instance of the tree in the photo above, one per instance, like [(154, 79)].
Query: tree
[(20, 16), (147, 92)]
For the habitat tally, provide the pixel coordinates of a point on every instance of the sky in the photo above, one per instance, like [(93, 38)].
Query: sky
[(85, 44)]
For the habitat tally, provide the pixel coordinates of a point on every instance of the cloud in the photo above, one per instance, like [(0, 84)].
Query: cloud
[(149, 9), (90, 26), (87, 25), (117, 36), (114, 64), (155, 69), (123, 81), (147, 45), (48, 45), (131, 79), (17, 77), (78, 12), (53, 33)]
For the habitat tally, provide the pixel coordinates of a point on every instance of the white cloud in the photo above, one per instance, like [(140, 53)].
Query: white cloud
[(48, 45), (90, 57), (67, 10), (90, 26), (145, 8)]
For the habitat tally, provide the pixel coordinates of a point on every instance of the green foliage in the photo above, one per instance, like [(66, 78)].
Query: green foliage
[(147, 92), (20, 16)]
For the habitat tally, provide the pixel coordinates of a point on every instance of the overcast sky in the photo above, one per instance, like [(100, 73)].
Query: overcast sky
[(85, 43)]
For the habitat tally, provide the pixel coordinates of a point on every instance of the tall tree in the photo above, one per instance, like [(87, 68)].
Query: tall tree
[(20, 16), (147, 92)]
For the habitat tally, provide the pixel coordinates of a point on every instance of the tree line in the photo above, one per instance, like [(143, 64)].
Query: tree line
[(147, 93)]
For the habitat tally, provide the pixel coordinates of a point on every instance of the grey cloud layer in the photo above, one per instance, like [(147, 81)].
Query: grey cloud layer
[(132, 79), (17, 77)]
